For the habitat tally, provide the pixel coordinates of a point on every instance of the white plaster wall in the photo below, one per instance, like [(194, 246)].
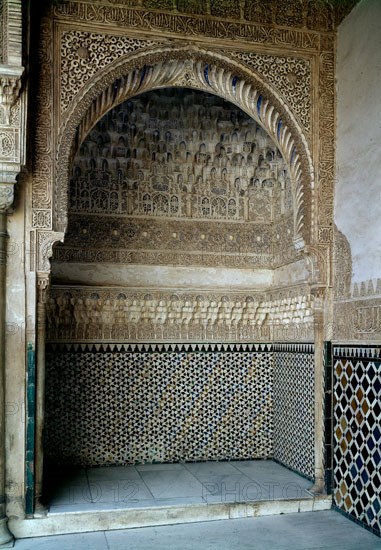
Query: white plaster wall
[(162, 276), (358, 190)]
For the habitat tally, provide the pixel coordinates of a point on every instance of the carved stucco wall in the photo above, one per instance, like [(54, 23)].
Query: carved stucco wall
[(281, 76), (182, 178), (293, 77), (291, 40), (179, 178)]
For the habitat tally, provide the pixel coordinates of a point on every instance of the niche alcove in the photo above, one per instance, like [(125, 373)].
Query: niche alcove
[(179, 321)]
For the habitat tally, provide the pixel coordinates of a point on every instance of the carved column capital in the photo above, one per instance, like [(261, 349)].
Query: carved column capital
[(10, 86), (318, 293), (6, 196), (43, 282)]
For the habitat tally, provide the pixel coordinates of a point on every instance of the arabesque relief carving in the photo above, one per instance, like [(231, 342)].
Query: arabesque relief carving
[(358, 320), (42, 168), (6, 196), (83, 54), (222, 83), (70, 12), (342, 266), (326, 169), (191, 66), (358, 316), (120, 314), (291, 76), (12, 101), (216, 185)]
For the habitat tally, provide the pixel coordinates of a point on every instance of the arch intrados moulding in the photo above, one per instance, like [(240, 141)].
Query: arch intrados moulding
[(194, 68)]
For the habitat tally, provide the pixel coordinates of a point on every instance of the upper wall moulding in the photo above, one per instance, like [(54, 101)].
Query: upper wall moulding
[(252, 19), (167, 67)]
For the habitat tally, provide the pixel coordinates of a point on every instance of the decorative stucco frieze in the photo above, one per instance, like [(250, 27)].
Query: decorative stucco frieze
[(125, 314)]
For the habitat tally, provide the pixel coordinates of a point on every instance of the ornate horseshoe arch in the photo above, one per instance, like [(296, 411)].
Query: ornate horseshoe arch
[(189, 67), (195, 68)]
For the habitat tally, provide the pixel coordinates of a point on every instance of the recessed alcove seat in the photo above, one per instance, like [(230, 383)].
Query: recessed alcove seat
[(119, 497)]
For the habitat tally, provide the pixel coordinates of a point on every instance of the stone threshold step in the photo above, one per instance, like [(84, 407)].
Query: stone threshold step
[(103, 520)]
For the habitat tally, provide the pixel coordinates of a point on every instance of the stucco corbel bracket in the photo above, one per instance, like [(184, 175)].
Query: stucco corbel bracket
[(46, 240)]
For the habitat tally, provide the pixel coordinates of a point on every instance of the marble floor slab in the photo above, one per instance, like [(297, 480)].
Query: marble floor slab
[(151, 485)]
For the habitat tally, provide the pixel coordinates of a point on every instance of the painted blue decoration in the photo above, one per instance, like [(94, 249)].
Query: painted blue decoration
[(143, 75), (259, 103), (206, 74), (279, 127), (234, 83)]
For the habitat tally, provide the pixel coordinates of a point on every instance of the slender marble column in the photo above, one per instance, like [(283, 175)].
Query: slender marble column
[(6, 199), (42, 289)]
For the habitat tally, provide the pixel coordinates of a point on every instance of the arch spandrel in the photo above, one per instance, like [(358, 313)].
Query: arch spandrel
[(203, 71)]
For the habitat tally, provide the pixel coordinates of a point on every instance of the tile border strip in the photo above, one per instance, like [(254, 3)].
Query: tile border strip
[(162, 347), (156, 347), (357, 352), (294, 347)]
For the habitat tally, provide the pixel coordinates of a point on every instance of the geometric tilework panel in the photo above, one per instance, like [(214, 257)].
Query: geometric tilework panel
[(357, 437), (294, 419), (118, 407)]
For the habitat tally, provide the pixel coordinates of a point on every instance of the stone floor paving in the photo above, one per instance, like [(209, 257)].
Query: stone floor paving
[(149, 485), (327, 530)]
